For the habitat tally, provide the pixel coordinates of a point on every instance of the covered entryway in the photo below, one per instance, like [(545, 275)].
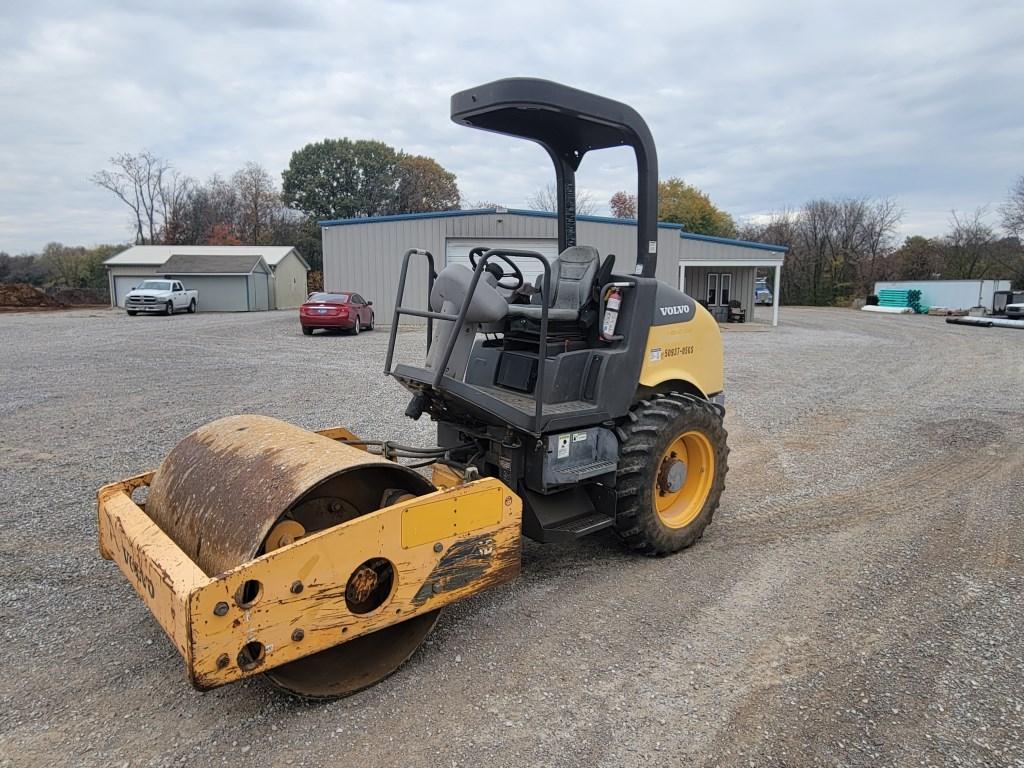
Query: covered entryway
[(716, 283)]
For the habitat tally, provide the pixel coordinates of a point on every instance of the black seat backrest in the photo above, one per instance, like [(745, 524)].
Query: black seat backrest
[(572, 277)]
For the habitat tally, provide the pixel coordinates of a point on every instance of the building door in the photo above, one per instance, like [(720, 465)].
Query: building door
[(718, 293)]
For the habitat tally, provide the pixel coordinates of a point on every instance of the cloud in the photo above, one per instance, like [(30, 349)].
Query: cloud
[(761, 105)]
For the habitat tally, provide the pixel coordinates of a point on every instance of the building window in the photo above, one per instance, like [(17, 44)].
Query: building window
[(712, 294), (726, 288)]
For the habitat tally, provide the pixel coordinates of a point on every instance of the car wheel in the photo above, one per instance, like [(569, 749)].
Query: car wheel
[(307, 331), (132, 314), (355, 328), (192, 307), (370, 328), (169, 310)]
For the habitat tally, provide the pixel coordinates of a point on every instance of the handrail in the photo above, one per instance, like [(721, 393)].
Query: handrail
[(460, 319), (400, 310), (538, 390)]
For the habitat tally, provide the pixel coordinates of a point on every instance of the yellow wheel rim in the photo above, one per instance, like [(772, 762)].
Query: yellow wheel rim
[(686, 472)]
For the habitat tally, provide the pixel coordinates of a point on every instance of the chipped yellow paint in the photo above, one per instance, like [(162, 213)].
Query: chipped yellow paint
[(476, 546)]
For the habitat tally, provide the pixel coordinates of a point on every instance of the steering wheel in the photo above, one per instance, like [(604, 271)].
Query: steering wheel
[(516, 274)]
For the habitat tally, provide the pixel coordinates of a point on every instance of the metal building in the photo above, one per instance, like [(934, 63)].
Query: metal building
[(284, 267), (365, 254)]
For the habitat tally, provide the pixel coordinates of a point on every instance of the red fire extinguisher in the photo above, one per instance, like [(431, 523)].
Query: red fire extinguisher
[(611, 314)]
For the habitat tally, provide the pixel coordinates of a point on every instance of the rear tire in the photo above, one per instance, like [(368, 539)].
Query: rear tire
[(192, 307), (307, 331), (355, 328), (660, 432)]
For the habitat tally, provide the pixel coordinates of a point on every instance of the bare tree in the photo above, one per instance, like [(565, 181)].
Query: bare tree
[(1012, 210), (968, 245), (258, 199), (546, 199), (883, 218), (138, 181), (176, 195)]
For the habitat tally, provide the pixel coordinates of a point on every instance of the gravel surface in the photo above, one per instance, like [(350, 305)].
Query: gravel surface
[(858, 601)]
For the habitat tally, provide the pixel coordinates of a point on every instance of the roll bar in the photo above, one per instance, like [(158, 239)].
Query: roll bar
[(568, 123)]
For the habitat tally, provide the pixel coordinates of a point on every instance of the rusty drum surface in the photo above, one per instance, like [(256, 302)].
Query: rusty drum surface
[(221, 491), (222, 488)]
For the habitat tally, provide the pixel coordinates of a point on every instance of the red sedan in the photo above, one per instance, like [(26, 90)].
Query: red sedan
[(336, 311)]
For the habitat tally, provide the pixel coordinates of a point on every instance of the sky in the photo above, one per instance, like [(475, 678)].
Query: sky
[(762, 105)]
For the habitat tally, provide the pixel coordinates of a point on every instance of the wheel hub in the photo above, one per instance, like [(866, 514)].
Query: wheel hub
[(672, 475)]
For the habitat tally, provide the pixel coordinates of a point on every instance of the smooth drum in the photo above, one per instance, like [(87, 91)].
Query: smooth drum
[(228, 485)]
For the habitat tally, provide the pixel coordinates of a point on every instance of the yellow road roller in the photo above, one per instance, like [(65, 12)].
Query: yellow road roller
[(584, 401)]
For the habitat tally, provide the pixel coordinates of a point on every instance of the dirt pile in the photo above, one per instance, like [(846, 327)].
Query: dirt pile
[(24, 295)]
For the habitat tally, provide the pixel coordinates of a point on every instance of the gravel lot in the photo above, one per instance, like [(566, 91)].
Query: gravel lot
[(858, 601)]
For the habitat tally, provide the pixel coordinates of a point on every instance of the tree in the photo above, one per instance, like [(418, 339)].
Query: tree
[(546, 199), (919, 258), (1012, 210), (423, 185), (968, 246), (139, 182), (623, 205), (682, 203), (339, 178), (258, 203), (837, 248)]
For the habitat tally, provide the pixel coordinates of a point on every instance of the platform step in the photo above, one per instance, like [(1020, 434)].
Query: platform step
[(584, 525), (586, 471)]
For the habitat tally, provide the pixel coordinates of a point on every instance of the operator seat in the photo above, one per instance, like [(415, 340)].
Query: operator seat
[(572, 282)]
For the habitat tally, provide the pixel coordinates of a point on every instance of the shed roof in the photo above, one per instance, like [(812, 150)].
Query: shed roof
[(551, 215), (212, 264), (155, 255)]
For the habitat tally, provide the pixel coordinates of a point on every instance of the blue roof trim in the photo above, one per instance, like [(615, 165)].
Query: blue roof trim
[(403, 217), (732, 241), (480, 212), (546, 215)]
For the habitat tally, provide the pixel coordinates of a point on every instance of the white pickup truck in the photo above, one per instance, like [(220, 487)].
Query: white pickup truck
[(163, 296)]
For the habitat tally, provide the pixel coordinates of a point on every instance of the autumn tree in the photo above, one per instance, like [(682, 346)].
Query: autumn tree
[(682, 203), (623, 205), (679, 203), (546, 199), (423, 185)]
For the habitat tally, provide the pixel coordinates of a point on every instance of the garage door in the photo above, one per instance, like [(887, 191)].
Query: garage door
[(227, 293), (124, 283), (457, 252)]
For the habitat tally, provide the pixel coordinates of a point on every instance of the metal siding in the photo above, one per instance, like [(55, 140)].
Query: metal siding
[(261, 291), (367, 257), (702, 249), (288, 284)]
